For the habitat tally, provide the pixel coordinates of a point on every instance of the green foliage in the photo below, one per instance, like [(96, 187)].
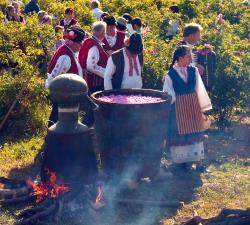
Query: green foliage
[(25, 51)]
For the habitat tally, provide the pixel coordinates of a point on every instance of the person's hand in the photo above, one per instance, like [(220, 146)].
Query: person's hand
[(200, 69)]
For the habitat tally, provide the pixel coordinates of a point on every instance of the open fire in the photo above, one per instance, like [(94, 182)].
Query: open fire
[(48, 189), (99, 202)]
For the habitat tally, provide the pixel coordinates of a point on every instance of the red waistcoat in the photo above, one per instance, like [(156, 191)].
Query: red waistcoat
[(119, 42), (72, 23), (92, 79), (63, 50)]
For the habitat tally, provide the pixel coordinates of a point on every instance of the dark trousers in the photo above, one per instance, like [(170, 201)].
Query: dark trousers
[(88, 118), (53, 115)]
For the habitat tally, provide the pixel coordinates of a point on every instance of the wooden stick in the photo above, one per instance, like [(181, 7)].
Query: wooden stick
[(17, 98)]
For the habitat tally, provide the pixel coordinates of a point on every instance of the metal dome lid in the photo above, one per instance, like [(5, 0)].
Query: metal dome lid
[(68, 89)]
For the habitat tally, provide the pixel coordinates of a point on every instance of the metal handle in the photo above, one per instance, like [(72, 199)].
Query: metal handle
[(92, 104)]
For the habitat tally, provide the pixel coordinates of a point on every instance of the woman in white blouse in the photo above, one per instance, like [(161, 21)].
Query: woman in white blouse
[(189, 101)]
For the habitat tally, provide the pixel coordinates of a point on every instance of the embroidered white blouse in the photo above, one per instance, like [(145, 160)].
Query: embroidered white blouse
[(63, 65), (203, 97), (134, 81), (111, 40), (92, 60)]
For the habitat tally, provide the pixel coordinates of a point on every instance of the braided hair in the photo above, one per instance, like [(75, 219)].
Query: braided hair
[(180, 51), (75, 33)]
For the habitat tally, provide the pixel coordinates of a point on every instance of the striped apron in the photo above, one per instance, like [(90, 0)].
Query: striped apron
[(188, 114)]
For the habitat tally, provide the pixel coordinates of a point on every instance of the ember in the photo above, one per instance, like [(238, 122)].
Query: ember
[(130, 99), (49, 189)]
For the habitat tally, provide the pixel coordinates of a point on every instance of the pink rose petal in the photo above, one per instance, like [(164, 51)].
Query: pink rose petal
[(130, 99)]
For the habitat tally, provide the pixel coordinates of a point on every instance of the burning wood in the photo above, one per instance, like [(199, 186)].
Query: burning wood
[(44, 194), (12, 192), (49, 189), (50, 199)]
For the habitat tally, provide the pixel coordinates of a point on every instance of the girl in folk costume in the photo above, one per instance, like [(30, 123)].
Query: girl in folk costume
[(68, 20), (65, 60), (189, 101), (114, 40)]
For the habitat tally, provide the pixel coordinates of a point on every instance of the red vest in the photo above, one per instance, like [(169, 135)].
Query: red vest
[(63, 50), (119, 42), (92, 79), (72, 23)]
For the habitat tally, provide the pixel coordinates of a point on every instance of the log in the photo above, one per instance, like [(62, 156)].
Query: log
[(194, 221), (12, 182), (59, 210), (28, 212), (39, 215), (239, 212), (6, 193), (232, 221), (21, 199), (226, 217)]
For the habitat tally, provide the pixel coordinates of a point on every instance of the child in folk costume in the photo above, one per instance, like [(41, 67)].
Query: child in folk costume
[(68, 20), (189, 101)]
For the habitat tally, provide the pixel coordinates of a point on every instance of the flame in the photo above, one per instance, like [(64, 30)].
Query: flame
[(99, 197), (49, 189)]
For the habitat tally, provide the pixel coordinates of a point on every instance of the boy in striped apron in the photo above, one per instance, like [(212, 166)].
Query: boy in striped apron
[(189, 101)]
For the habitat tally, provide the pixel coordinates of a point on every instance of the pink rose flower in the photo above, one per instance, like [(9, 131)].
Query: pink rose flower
[(238, 53), (220, 18)]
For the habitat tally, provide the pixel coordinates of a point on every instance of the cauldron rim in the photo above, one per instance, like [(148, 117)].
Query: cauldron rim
[(133, 91)]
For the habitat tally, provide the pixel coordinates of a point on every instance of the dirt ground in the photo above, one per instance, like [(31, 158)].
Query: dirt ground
[(174, 195)]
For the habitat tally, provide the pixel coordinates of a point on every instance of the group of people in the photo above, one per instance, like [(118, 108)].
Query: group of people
[(112, 61), (112, 58)]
